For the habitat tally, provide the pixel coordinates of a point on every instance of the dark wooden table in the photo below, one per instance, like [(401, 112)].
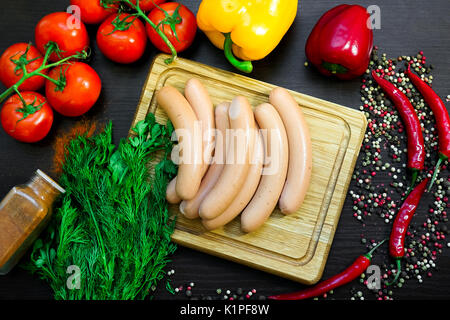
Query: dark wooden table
[(407, 26)]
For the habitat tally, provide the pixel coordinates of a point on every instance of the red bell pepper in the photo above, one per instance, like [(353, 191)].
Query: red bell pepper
[(341, 42)]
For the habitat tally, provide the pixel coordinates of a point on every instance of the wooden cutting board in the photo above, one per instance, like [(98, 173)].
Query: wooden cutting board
[(295, 246)]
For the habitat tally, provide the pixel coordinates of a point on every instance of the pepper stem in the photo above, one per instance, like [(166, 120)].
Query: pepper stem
[(415, 174), (244, 66), (397, 274), (368, 255), (437, 168), (334, 68)]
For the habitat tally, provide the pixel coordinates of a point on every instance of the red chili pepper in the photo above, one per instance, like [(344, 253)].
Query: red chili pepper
[(351, 273), (401, 224), (341, 42), (441, 115), (416, 148)]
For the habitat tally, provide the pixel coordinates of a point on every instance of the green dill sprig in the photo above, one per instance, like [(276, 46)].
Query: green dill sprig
[(112, 223)]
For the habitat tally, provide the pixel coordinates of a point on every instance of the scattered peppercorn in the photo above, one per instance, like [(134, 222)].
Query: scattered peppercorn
[(220, 294), (383, 155)]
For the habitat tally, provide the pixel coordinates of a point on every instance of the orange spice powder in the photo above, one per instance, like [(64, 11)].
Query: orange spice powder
[(84, 127)]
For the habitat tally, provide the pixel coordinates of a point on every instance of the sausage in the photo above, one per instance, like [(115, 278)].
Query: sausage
[(200, 101), (190, 208), (242, 125), (274, 172), (185, 122), (300, 150), (171, 192), (246, 192)]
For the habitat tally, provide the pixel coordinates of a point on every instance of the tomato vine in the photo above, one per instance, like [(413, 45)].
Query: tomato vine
[(22, 62)]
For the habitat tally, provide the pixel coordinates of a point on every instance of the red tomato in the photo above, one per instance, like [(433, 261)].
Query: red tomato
[(122, 46), (9, 76), (35, 126), (185, 30), (81, 91), (92, 11), (148, 5), (66, 30)]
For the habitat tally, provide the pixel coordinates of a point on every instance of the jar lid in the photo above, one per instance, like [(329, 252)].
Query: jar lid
[(51, 181)]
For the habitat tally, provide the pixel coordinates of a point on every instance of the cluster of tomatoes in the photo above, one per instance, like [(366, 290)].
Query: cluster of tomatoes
[(73, 87)]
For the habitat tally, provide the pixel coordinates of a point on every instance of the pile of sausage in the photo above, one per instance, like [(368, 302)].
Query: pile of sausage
[(228, 169)]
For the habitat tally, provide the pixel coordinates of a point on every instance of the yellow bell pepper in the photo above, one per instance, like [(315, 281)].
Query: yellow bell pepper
[(250, 29)]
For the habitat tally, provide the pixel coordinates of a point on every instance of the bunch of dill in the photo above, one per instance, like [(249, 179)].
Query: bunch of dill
[(110, 236)]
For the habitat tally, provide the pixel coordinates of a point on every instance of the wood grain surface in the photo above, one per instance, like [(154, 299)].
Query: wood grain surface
[(407, 26), (295, 246)]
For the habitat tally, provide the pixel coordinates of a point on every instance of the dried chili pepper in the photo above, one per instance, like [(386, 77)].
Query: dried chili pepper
[(351, 273), (441, 115), (416, 148), (401, 223)]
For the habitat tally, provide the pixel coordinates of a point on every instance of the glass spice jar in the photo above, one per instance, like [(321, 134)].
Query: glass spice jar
[(24, 213)]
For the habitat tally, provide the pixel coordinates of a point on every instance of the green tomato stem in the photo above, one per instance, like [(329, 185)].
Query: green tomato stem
[(20, 96), (38, 71), (9, 91), (141, 14), (50, 48), (48, 78)]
